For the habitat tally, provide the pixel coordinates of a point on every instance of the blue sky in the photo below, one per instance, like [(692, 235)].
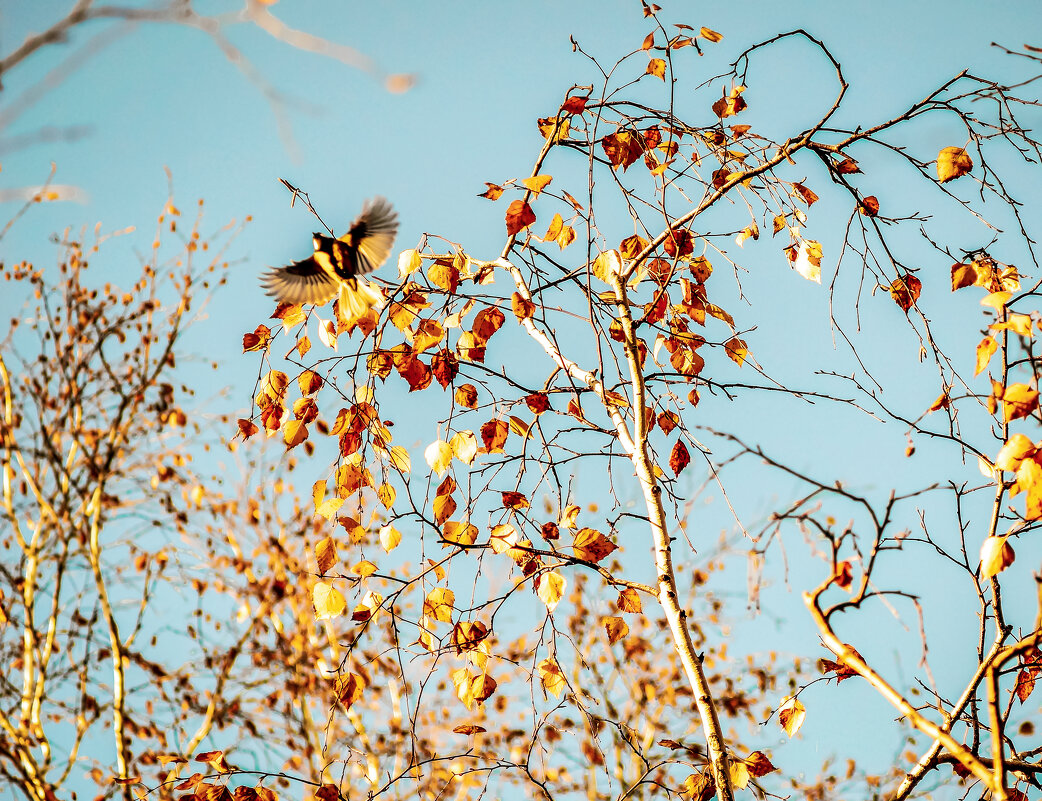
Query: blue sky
[(165, 96)]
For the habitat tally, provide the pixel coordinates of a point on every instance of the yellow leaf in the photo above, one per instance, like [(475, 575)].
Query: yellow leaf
[(551, 589), (791, 715), (552, 677), (326, 332), (739, 773), (985, 350), (390, 538), (736, 350), (464, 446), (325, 553), (328, 601), (952, 163), (438, 455), (554, 231), (808, 260), (1017, 449), (400, 458), (386, 494), (1018, 400), (519, 426), (568, 516), (607, 264), (997, 300), (749, 232), (329, 507), (616, 628), (657, 67), (364, 568), (409, 261), (460, 533), (502, 538), (710, 35), (294, 432), (995, 556), (537, 183), (438, 604)]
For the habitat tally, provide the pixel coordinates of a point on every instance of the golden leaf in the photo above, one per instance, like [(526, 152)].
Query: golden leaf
[(438, 455), (985, 350), (390, 538), (551, 589), (952, 163), (464, 446), (1017, 449), (791, 715), (657, 67), (616, 628), (328, 601), (325, 553), (551, 677), (995, 556), (409, 261)]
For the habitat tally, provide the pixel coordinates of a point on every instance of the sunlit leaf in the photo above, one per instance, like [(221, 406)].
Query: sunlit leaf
[(438, 456), (616, 628), (325, 553), (952, 163), (550, 589), (552, 677), (390, 538), (328, 601), (791, 715), (995, 556)]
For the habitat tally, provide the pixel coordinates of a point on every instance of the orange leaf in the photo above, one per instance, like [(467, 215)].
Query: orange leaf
[(657, 67), (519, 216)]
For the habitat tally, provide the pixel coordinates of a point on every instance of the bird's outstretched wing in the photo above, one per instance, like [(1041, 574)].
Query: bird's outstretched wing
[(302, 282), (338, 262), (368, 241)]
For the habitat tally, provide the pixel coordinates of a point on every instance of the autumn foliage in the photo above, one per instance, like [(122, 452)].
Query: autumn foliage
[(492, 575)]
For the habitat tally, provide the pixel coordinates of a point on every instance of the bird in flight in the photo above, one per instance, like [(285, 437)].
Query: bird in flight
[(336, 264)]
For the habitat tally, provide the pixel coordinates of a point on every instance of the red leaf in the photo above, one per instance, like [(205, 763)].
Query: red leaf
[(519, 216), (679, 458), (494, 435), (537, 402), (445, 367), (575, 105)]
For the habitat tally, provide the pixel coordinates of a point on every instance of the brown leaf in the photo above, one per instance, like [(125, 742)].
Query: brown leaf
[(616, 628), (469, 728), (494, 435), (622, 148), (592, 546), (869, 206), (258, 340), (523, 308), (729, 105), (515, 500), (519, 216), (467, 396), (905, 291), (963, 275), (493, 192), (575, 105), (679, 458), (808, 195)]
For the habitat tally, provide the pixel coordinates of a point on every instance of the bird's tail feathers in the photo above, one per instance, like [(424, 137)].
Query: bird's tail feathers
[(357, 297)]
